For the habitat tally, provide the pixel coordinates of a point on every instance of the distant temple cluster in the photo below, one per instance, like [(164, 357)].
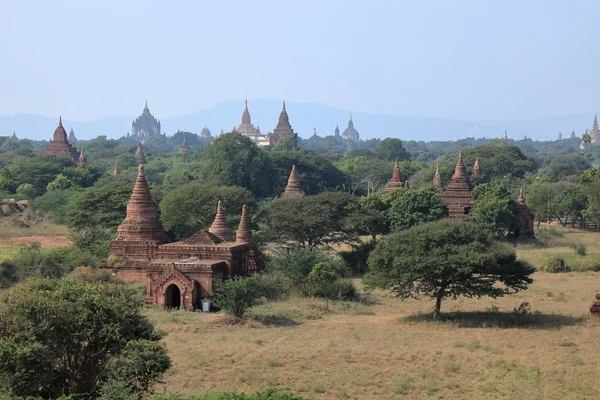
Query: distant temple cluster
[(183, 273)]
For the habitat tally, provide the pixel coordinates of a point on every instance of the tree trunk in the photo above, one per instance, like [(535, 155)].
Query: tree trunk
[(438, 306)]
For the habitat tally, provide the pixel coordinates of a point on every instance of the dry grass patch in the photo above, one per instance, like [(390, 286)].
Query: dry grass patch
[(385, 351)]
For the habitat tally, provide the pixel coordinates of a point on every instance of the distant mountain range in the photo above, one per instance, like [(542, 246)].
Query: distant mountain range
[(303, 117)]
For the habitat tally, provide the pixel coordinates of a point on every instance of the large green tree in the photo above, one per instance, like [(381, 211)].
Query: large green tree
[(57, 337), (410, 207), (192, 207), (495, 207), (445, 259), (234, 160)]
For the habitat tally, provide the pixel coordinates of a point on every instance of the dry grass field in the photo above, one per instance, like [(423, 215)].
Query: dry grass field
[(43, 232), (388, 349)]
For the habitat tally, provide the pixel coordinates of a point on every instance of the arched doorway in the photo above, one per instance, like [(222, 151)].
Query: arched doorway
[(172, 296)]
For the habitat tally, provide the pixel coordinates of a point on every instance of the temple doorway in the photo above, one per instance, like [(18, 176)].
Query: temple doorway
[(172, 296)]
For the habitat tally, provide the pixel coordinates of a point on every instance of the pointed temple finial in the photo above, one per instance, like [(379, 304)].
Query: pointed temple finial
[(60, 121), (477, 168), (395, 181), (219, 227), (437, 178), (283, 105), (351, 117), (82, 160), (146, 105), (139, 154), (184, 146), (460, 169), (116, 171), (141, 222), (244, 234), (293, 187)]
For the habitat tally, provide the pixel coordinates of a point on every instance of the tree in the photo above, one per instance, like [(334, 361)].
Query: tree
[(234, 160), (391, 149), (322, 278), (310, 220), (445, 259), (192, 207), (100, 206), (410, 207), (58, 335), (495, 208), (236, 295)]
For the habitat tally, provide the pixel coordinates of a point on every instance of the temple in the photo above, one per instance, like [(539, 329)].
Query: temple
[(477, 168), (524, 218), (59, 145), (145, 125), (116, 171), (395, 181), (72, 137), (594, 132), (82, 160), (283, 129), (139, 155), (336, 133), (457, 195), (205, 133), (183, 273), (350, 133), (293, 187), (184, 146), (437, 178), (247, 129)]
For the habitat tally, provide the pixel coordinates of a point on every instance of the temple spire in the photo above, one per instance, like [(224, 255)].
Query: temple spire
[(395, 181), (459, 170), (476, 168), (82, 160), (246, 120), (244, 234), (284, 107), (220, 227), (437, 179), (184, 146), (139, 154), (293, 186), (141, 222), (116, 171)]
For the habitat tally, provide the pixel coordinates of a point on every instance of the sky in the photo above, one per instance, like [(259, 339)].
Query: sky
[(474, 60)]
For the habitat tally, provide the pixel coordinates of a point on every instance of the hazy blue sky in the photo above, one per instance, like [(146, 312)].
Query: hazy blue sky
[(461, 59)]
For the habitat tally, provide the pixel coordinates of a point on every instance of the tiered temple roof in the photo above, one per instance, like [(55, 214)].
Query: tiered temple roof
[(283, 129), (72, 137), (60, 146), (350, 133), (184, 146), (205, 132), (141, 223), (395, 181), (145, 125), (293, 187), (220, 227), (247, 129), (458, 195)]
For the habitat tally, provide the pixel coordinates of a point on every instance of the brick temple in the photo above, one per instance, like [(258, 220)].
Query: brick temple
[(145, 125), (178, 274), (395, 181), (283, 129), (59, 145), (458, 196), (293, 187)]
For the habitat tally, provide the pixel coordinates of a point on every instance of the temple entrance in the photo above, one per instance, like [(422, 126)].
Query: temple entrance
[(172, 296)]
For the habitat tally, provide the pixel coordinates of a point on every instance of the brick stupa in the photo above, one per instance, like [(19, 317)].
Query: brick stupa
[(220, 228), (395, 181), (184, 146), (437, 178), (293, 187), (524, 217), (139, 155), (60, 146), (82, 159), (244, 234), (477, 168), (116, 171), (457, 195)]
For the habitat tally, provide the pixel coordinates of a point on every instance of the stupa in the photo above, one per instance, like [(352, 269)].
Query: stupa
[(437, 179), (283, 129), (59, 145), (293, 187), (184, 146), (458, 195), (139, 155), (524, 218), (395, 181), (220, 227)]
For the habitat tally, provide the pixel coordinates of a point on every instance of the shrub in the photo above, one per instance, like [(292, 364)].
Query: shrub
[(50, 269), (8, 274), (236, 295), (267, 394), (555, 264), (580, 249), (356, 259), (71, 257)]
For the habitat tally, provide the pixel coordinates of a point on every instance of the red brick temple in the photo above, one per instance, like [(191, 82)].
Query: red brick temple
[(524, 218), (437, 178), (283, 129), (293, 187), (395, 181), (184, 146), (178, 274), (457, 195), (59, 145)]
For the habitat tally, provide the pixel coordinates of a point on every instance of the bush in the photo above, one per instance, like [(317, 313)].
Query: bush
[(71, 257), (580, 249), (341, 289), (555, 264), (356, 259), (236, 295), (91, 274), (50, 269), (94, 241), (8, 274)]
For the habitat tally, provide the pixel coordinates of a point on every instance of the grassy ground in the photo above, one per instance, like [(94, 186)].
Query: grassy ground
[(43, 232), (390, 350)]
